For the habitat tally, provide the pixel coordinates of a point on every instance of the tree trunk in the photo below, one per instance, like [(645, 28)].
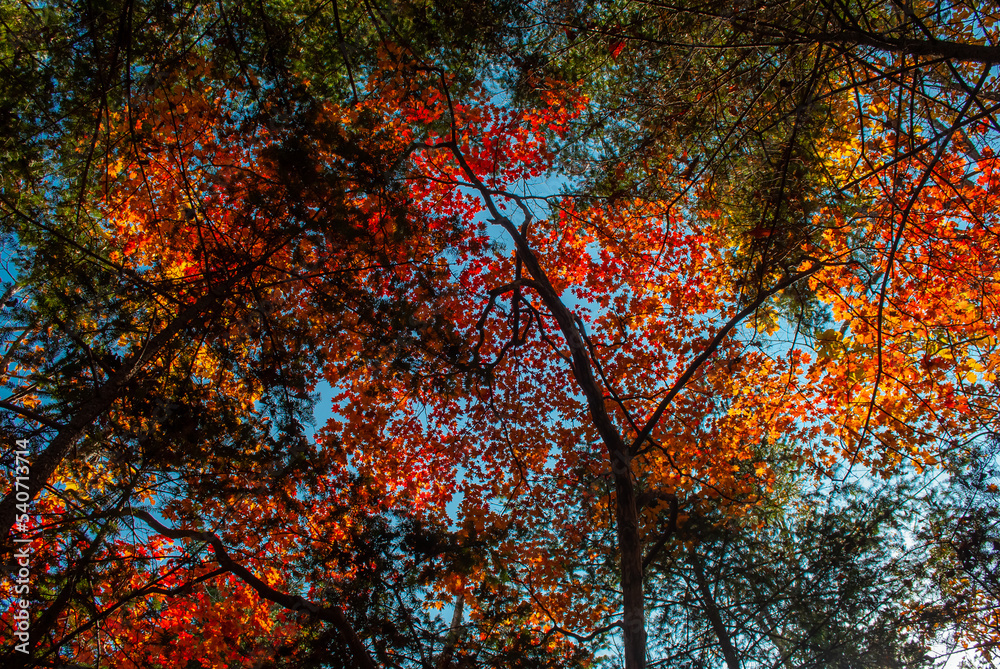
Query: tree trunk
[(712, 611), (630, 548), (626, 512)]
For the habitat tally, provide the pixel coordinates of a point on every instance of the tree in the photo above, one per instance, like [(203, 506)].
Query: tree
[(824, 583), (546, 406)]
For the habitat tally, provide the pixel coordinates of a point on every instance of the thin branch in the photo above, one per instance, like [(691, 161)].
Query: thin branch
[(713, 345)]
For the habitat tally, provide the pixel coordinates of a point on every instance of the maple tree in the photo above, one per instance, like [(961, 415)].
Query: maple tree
[(551, 411)]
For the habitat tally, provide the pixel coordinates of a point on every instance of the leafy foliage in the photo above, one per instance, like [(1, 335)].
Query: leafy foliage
[(726, 398)]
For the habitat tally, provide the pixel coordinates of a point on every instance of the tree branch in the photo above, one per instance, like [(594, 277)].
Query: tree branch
[(331, 614)]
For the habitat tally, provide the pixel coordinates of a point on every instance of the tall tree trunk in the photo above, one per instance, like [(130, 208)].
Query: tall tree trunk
[(630, 549), (712, 611), (444, 661), (626, 510)]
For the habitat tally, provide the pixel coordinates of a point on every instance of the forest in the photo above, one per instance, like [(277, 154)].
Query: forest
[(440, 334)]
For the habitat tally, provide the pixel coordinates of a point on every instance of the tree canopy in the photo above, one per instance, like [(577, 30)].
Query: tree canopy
[(499, 334)]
